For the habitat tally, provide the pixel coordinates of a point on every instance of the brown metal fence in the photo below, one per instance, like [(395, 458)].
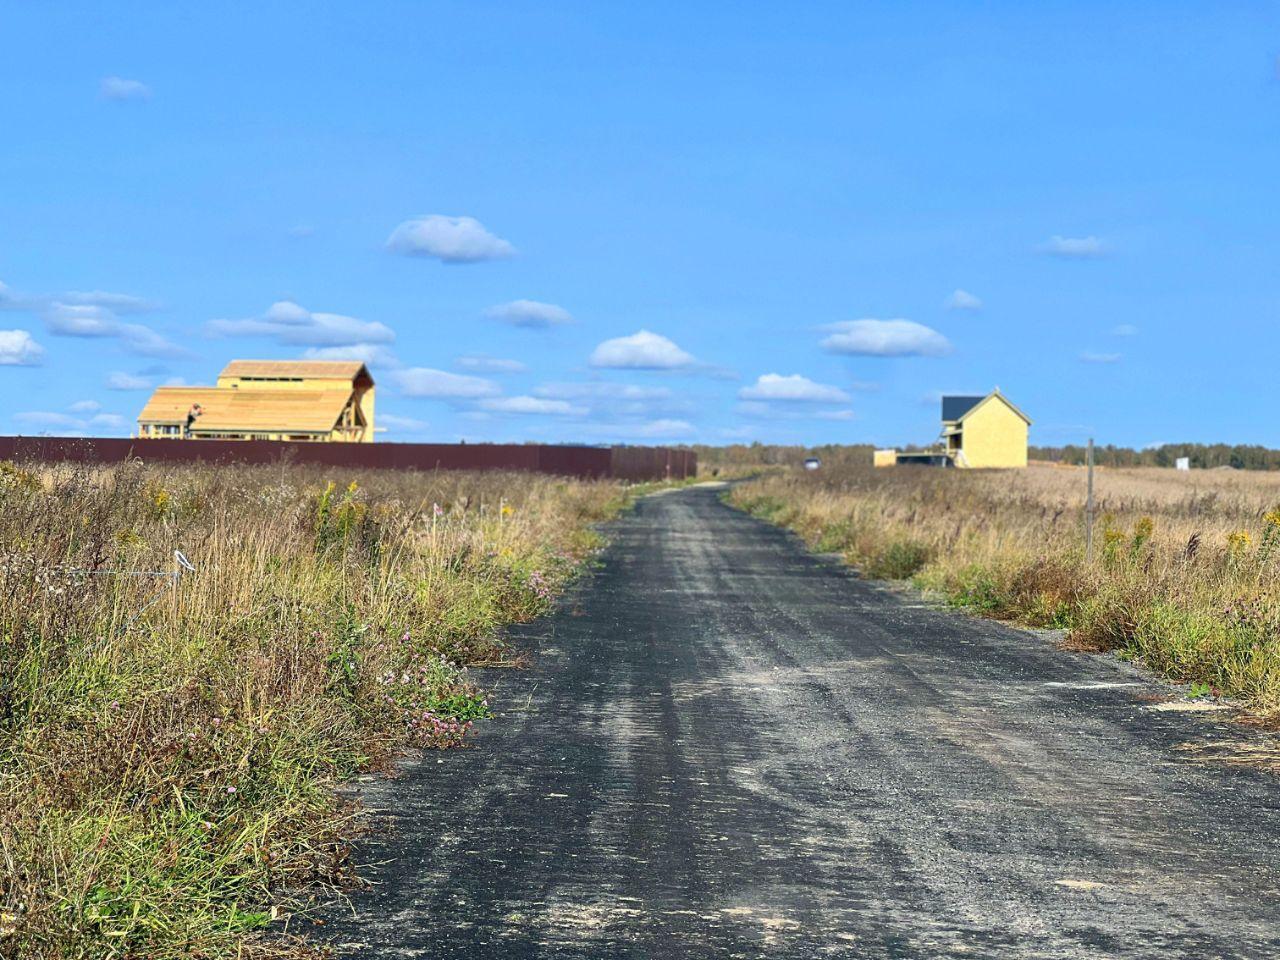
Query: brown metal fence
[(627, 463)]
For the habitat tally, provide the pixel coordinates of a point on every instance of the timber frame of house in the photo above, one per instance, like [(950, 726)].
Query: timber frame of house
[(303, 400)]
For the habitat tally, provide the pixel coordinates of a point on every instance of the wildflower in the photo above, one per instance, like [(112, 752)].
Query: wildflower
[(1239, 540), (231, 789), (506, 510), (1272, 517)]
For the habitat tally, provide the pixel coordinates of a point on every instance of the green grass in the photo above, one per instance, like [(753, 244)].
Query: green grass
[(167, 779)]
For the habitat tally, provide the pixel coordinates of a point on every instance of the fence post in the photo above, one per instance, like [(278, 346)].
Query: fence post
[(1088, 507)]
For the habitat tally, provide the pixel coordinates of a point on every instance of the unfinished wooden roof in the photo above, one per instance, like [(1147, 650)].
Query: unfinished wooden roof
[(277, 411), (346, 370)]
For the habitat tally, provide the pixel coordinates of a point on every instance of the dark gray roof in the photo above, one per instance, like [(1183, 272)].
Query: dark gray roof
[(953, 408)]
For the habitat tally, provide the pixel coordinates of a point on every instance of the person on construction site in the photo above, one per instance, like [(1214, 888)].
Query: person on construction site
[(192, 416)]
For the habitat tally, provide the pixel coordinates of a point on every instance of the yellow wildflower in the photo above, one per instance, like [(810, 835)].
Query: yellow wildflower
[(1239, 540)]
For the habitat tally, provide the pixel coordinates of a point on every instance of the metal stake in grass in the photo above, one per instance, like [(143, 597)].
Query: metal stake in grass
[(1088, 507)]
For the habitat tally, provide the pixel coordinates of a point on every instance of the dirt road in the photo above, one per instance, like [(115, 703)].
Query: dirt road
[(729, 748)]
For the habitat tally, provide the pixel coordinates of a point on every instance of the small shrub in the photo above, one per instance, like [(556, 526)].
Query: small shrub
[(900, 560)]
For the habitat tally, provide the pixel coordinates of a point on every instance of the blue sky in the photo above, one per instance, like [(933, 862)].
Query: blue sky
[(651, 222)]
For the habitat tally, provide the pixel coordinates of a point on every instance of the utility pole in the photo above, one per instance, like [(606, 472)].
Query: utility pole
[(1088, 508)]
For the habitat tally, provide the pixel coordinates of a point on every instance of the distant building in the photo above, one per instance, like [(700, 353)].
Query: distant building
[(984, 431), (977, 432), (312, 400)]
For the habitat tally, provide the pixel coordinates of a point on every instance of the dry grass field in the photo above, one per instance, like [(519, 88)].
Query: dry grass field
[(1185, 576), (168, 751)]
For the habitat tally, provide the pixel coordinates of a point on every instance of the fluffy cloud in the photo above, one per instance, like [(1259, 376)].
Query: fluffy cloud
[(118, 380), (477, 363), (793, 388), (441, 385), (529, 313), (85, 406), (116, 302), (640, 351), (1100, 357), (292, 325), (71, 320), (531, 405), (1075, 248), (885, 338), (963, 300), (118, 88), (448, 239), (90, 320), (369, 353), (1124, 330), (18, 349)]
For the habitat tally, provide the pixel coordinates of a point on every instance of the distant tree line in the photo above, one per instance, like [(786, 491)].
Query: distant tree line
[(1202, 455)]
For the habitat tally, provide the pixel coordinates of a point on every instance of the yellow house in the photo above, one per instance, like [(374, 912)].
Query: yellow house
[(314, 400), (984, 431)]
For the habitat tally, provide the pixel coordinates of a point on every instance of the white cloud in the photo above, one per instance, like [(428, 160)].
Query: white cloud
[(18, 349), (478, 363), (531, 405), (1075, 248), (370, 353), (885, 338), (292, 325), (1100, 357), (85, 406), (640, 351), (147, 343), (448, 239), (836, 415), (529, 313), (84, 320), (116, 302), (91, 320), (113, 420), (793, 388), (425, 382), (118, 88), (1124, 330), (963, 300), (118, 380)]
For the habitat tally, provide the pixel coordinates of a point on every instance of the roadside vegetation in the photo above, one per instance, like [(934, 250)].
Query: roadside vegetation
[(1185, 577), (169, 749)]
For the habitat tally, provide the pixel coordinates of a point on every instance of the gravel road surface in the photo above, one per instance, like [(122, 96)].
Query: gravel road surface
[(727, 747)]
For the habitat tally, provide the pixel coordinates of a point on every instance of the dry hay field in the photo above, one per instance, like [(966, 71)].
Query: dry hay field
[(1185, 575), (169, 748)]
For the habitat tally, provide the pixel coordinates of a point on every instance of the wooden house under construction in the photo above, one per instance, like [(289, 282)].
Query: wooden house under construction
[(315, 400)]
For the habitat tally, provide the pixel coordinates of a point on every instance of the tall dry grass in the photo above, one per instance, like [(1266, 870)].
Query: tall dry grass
[(1185, 577), (167, 752)]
